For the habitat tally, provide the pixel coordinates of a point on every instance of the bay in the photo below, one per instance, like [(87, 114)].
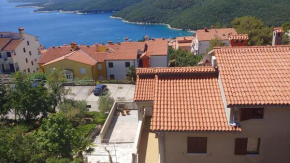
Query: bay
[(57, 28)]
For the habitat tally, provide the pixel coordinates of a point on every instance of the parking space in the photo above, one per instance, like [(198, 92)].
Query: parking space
[(119, 92)]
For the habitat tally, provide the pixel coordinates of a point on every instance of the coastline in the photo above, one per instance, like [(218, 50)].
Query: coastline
[(168, 25), (112, 17)]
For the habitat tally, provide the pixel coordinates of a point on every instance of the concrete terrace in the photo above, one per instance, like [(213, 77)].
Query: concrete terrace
[(118, 140)]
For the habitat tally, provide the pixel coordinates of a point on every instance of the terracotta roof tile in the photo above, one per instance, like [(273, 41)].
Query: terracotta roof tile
[(258, 75), (77, 56), (54, 53), (239, 37), (4, 42), (222, 33), (144, 90), (12, 45), (183, 102), (173, 70)]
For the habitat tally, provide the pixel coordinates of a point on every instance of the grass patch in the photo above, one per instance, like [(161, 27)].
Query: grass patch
[(85, 129)]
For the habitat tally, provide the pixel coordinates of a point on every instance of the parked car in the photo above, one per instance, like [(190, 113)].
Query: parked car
[(99, 89)]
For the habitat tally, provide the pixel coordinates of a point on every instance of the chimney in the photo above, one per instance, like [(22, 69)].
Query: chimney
[(96, 44), (146, 38), (130, 40), (110, 43), (277, 36), (73, 45), (153, 38), (64, 45), (212, 27), (205, 29), (21, 32), (102, 43), (126, 39)]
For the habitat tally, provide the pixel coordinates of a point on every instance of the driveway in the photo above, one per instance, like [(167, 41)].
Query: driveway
[(119, 92)]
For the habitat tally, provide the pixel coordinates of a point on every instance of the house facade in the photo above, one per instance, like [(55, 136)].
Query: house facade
[(19, 52), (106, 61), (229, 112), (203, 36)]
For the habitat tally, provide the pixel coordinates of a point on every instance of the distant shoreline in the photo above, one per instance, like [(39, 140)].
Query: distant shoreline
[(112, 17)]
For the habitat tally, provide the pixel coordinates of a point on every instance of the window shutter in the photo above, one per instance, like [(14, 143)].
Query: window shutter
[(245, 114), (241, 146)]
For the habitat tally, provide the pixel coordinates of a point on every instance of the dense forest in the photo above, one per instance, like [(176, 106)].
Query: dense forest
[(185, 14)]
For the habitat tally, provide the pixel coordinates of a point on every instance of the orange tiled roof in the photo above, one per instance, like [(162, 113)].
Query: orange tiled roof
[(54, 53), (144, 90), (77, 56), (258, 75), (279, 29), (12, 45), (239, 37), (4, 42), (157, 47), (183, 99), (222, 33)]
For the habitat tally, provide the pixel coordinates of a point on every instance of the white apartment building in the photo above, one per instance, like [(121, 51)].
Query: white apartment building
[(19, 52)]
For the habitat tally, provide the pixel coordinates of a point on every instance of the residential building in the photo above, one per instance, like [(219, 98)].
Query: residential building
[(277, 36), (203, 37), (19, 52), (184, 43), (232, 111), (105, 61)]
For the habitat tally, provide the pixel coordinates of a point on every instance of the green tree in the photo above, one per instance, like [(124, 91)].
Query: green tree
[(55, 80), (182, 58), (4, 103), (28, 101), (74, 110), (214, 43), (105, 103), (131, 73), (286, 26), (258, 33), (56, 136)]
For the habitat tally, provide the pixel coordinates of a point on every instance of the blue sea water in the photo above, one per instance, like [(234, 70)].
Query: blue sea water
[(55, 28)]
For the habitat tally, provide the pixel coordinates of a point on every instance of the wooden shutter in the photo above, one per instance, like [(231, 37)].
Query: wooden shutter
[(245, 114), (196, 145), (241, 146)]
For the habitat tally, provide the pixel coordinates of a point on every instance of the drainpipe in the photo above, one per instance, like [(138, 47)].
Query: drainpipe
[(93, 73), (161, 145)]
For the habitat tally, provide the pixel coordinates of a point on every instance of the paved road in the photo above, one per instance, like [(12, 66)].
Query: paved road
[(117, 91)]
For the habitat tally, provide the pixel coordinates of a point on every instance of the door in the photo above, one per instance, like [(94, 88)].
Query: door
[(12, 69), (69, 75), (3, 68)]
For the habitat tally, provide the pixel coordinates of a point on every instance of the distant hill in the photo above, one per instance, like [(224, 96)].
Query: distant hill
[(185, 14)]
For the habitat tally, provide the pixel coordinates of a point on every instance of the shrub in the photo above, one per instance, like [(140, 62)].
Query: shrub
[(85, 129), (105, 103)]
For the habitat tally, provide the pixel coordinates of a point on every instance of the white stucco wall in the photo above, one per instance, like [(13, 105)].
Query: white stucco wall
[(204, 45), (20, 57), (119, 69), (272, 130), (158, 61)]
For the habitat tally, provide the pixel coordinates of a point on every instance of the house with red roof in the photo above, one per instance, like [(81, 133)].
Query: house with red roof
[(236, 109), (203, 37), (19, 52), (105, 61)]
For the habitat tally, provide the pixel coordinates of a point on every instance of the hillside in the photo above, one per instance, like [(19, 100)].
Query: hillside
[(185, 14)]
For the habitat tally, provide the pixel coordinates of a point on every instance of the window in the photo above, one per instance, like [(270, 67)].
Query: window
[(26, 60), (111, 65), (99, 66), (27, 42), (112, 77), (241, 41), (31, 62), (37, 68), (8, 54), (196, 145), (127, 64), (235, 41), (29, 52), (251, 113), (28, 70), (0, 55), (24, 50), (244, 146), (83, 71)]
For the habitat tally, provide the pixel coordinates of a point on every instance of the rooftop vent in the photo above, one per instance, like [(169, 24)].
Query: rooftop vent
[(213, 61), (205, 29)]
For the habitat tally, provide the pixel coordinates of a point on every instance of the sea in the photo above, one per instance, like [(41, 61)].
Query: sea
[(58, 28)]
